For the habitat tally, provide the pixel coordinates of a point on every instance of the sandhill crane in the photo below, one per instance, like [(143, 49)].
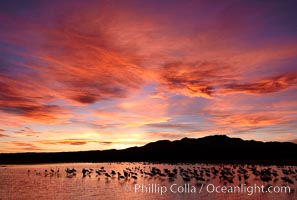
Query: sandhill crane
[(107, 175), (287, 180)]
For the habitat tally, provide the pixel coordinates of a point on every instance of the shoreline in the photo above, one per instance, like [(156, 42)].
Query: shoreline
[(209, 162)]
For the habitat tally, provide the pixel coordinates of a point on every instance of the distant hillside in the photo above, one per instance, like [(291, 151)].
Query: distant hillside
[(213, 149)]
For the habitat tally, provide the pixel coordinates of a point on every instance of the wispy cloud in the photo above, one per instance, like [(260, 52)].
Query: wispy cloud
[(274, 84), (195, 79), (3, 135), (261, 119), (28, 99), (173, 126), (20, 146), (27, 131)]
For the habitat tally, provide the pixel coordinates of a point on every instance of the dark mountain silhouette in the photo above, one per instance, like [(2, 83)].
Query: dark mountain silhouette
[(212, 149)]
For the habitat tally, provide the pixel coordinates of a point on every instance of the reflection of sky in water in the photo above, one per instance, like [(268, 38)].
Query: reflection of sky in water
[(17, 184)]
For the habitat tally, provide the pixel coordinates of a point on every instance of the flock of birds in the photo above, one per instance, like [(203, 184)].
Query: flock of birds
[(202, 173)]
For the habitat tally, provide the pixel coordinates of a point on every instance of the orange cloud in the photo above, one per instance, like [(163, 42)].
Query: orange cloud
[(133, 113), (67, 142), (17, 146), (194, 79), (126, 120), (274, 84), (254, 119), (29, 99), (78, 142), (81, 54), (3, 135), (209, 79), (26, 131)]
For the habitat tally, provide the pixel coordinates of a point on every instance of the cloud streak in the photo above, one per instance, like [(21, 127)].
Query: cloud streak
[(24, 98), (274, 84), (3, 135), (209, 79)]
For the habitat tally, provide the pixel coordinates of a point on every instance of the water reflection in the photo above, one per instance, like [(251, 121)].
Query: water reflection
[(144, 181)]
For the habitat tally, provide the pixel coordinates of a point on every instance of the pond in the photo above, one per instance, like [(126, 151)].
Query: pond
[(146, 181)]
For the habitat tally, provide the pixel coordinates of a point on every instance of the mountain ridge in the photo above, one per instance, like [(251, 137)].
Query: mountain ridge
[(214, 149)]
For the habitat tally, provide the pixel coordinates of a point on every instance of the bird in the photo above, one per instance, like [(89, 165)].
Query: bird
[(120, 176), (185, 178), (126, 174), (186, 172), (98, 172), (287, 180), (84, 171), (171, 175), (199, 178), (107, 175)]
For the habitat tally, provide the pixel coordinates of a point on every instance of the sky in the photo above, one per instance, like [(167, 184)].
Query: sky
[(92, 75)]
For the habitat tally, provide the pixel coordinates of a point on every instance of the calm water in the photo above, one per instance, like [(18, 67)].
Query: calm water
[(17, 183)]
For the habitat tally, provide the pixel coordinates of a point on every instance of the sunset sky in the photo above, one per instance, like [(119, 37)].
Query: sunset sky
[(88, 75)]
